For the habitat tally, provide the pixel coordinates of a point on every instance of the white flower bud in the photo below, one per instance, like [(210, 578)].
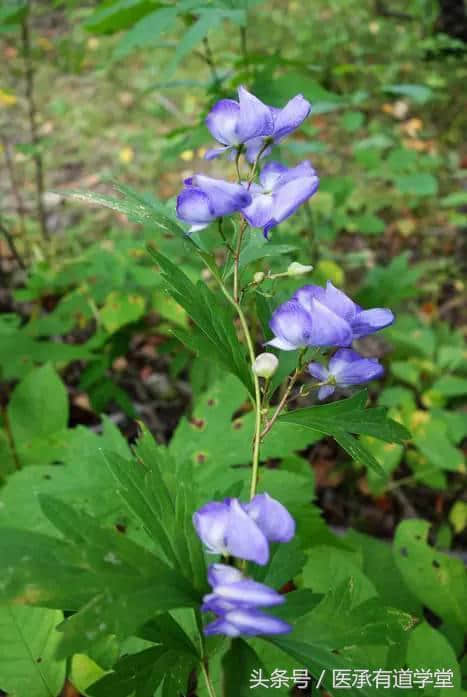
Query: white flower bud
[(265, 365), (259, 277), (297, 269)]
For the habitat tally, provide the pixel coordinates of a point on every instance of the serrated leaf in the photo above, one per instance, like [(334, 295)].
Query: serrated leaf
[(147, 31), (28, 640)]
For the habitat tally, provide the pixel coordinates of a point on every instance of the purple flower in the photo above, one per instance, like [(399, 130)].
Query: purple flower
[(236, 600), (279, 193), (249, 622), (225, 528), (346, 367), (204, 199), (358, 322), (296, 327), (234, 123), (286, 120), (243, 530), (271, 517)]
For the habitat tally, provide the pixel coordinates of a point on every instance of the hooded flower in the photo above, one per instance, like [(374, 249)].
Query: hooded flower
[(346, 367), (285, 121), (234, 123), (204, 199), (359, 322), (247, 622), (279, 193), (244, 530)]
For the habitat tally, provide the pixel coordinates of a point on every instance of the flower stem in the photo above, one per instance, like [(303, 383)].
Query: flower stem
[(292, 380), (207, 679), (238, 250)]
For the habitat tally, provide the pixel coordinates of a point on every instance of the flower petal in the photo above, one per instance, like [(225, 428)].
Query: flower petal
[(292, 324), (289, 197), (255, 119), (306, 294), (271, 174), (214, 603), (281, 344), (224, 197), (318, 371), (258, 213), (253, 622), (253, 148), (211, 522), (326, 391), (369, 321), (212, 153), (249, 593), (291, 116), (222, 121), (244, 538), (223, 573), (272, 518), (350, 368), (337, 301), (221, 626), (328, 329), (193, 206)]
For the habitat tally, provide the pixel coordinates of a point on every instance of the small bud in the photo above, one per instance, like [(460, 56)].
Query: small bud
[(265, 365), (259, 277), (297, 269)]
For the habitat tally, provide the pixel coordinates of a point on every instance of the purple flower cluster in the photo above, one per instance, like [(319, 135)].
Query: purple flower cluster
[(326, 317), (251, 127), (242, 530)]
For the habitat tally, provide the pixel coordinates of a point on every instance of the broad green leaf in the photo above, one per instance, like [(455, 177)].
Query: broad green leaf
[(420, 184), (436, 579), (209, 19), (28, 641), (328, 567), (121, 309), (419, 93), (431, 438), (38, 406), (451, 386), (216, 336), (428, 649)]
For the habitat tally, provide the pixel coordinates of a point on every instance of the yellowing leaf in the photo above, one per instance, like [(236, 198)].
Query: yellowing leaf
[(126, 155), (7, 99)]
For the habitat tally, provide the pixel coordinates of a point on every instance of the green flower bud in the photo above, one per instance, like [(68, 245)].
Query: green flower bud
[(265, 365)]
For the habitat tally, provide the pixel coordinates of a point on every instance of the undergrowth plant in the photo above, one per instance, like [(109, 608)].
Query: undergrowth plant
[(161, 574)]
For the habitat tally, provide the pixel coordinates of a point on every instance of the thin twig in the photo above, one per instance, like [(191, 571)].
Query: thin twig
[(35, 140), (11, 243)]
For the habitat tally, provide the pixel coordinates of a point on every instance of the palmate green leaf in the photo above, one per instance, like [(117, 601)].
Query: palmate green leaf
[(436, 579), (336, 622), (136, 207), (341, 419), (28, 641), (216, 337)]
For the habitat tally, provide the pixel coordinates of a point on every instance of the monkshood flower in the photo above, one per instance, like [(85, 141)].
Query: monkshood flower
[(244, 531), (252, 123), (279, 193), (346, 368), (234, 123), (204, 199), (359, 322), (236, 600), (285, 121)]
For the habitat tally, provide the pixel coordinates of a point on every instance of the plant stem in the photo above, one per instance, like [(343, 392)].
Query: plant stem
[(35, 140), (11, 440), (238, 250), (20, 208), (209, 685), (11, 243), (292, 380)]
